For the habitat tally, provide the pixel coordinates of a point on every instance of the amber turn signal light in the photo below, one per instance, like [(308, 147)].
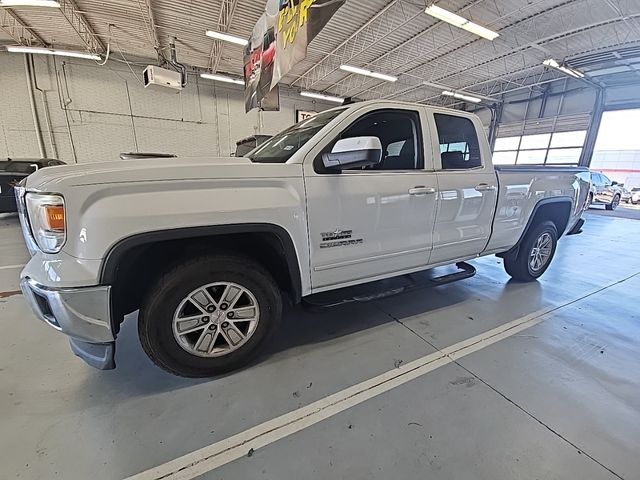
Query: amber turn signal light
[(54, 215)]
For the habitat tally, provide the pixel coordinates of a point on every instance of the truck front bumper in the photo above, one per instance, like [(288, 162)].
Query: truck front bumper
[(83, 314)]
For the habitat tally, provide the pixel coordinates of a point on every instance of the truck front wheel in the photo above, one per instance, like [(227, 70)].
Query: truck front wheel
[(209, 315), (535, 254)]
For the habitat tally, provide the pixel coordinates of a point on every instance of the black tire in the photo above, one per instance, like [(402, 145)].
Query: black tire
[(519, 267), (614, 203), (589, 202), (155, 322)]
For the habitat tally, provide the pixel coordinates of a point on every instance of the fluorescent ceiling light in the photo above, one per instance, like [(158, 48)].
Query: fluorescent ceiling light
[(320, 96), (480, 31), (551, 63), (29, 3), (446, 16), (368, 73), (53, 51), (227, 38), (222, 78), (460, 96), (461, 22)]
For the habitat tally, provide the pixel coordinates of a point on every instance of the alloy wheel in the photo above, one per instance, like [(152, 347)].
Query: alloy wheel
[(541, 252), (216, 319)]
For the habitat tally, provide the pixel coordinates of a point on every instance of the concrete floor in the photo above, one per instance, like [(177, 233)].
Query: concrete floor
[(625, 210), (560, 400)]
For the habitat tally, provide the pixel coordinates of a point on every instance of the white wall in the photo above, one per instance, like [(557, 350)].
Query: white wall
[(206, 118)]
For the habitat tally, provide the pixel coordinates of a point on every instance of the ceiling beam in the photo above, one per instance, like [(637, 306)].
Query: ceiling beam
[(378, 26), (424, 63), (17, 29), (513, 51), (81, 26), (225, 17)]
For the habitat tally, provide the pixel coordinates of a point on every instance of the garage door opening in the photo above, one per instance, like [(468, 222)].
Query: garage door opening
[(617, 150)]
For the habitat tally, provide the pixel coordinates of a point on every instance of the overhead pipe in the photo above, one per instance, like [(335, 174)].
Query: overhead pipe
[(32, 101), (64, 106), (45, 107), (173, 61)]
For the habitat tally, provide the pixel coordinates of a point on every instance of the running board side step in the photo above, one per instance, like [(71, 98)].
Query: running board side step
[(386, 288), (577, 228)]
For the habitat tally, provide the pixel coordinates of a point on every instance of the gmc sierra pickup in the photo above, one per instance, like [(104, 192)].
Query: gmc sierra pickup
[(208, 249)]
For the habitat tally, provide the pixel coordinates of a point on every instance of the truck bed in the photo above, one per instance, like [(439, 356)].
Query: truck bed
[(525, 188)]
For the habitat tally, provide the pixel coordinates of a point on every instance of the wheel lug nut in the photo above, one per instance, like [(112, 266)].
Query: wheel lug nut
[(211, 308), (225, 325), (212, 327), (224, 306), (230, 315), (205, 319)]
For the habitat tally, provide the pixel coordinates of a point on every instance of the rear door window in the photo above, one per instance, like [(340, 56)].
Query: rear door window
[(459, 144)]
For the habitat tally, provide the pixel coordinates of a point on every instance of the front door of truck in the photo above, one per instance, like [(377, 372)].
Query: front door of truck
[(374, 221), (468, 189)]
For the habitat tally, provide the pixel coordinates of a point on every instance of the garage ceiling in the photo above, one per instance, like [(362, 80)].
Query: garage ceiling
[(389, 36)]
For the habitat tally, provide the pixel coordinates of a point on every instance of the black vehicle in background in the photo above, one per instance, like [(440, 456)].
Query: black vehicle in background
[(13, 172), (248, 144)]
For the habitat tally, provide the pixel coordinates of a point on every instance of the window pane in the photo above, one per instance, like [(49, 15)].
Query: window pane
[(505, 158), (619, 131), (398, 133), (568, 139), (394, 149), (507, 143), (530, 142), (597, 179), (532, 157), (565, 156), (281, 147), (458, 142)]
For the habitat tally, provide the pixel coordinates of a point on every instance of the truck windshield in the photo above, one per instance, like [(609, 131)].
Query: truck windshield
[(280, 148)]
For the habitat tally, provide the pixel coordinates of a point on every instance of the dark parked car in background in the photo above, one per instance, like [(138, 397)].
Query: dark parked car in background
[(604, 191), (13, 172), (248, 144)]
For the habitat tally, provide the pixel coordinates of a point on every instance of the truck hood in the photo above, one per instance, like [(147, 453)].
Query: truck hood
[(53, 179)]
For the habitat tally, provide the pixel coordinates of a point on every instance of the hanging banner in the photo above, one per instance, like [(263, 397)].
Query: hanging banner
[(279, 41)]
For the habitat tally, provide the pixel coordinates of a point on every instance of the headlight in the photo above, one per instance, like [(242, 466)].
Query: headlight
[(46, 216)]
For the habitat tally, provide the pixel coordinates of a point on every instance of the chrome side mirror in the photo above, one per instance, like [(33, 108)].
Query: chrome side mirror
[(353, 153)]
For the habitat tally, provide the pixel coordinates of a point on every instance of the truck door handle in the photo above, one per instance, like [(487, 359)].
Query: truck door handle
[(421, 190), (485, 187)]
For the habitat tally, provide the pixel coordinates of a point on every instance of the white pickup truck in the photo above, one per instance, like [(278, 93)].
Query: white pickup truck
[(208, 249)]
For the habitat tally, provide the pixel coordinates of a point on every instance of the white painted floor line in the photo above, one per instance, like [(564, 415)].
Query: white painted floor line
[(211, 457), (11, 267), (218, 454)]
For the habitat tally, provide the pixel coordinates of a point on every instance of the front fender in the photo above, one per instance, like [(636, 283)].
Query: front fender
[(113, 260), (100, 217)]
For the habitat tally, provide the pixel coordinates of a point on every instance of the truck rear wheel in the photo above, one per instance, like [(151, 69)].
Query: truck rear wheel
[(535, 254), (209, 316)]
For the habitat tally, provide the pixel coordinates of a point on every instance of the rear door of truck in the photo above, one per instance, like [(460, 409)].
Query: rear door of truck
[(467, 184)]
